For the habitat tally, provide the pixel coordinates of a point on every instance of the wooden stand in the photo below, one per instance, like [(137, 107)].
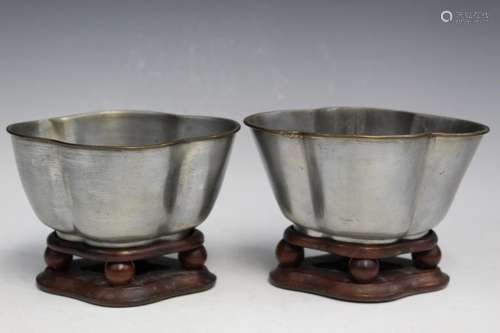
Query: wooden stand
[(125, 277), (358, 272)]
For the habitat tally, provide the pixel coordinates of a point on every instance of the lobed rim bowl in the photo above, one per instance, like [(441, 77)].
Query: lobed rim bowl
[(19, 129), (252, 121)]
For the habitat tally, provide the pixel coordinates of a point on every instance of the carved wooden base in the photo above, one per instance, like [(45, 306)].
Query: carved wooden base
[(125, 277), (358, 272)]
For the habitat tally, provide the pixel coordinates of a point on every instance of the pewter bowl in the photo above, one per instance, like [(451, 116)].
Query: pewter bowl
[(364, 175), (122, 178)]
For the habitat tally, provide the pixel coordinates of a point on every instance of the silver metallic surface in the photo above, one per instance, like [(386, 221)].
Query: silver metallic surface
[(122, 178), (364, 175)]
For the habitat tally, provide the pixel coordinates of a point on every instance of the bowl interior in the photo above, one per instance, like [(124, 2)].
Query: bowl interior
[(124, 128), (360, 121)]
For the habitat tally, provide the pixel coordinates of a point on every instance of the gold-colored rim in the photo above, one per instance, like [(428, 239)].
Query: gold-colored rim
[(236, 128), (294, 134)]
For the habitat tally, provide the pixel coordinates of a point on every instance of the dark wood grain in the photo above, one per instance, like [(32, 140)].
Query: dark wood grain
[(427, 259), (361, 251), (154, 280), (125, 277), (397, 278), (57, 260), (358, 272), (192, 241), (289, 254), (119, 273), (193, 259), (364, 270)]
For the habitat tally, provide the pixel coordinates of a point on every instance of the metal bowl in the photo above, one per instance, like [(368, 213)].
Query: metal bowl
[(364, 175), (122, 178)]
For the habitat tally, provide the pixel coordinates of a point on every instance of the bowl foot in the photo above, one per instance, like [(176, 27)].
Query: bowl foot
[(416, 236), (318, 234), (76, 238), (358, 272), (125, 277)]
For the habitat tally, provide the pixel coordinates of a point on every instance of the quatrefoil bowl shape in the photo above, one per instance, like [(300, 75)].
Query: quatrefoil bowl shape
[(364, 175), (122, 178)]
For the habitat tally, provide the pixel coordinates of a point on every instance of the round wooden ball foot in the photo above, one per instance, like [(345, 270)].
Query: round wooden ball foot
[(119, 273), (193, 259), (289, 255), (364, 270), (57, 260), (427, 259)]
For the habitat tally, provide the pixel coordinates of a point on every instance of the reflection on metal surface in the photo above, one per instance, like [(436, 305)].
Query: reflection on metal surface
[(364, 175), (122, 178)]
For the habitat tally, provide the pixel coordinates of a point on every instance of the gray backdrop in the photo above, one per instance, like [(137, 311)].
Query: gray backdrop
[(232, 59)]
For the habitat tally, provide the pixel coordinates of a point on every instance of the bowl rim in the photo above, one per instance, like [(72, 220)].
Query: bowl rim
[(235, 128), (294, 133)]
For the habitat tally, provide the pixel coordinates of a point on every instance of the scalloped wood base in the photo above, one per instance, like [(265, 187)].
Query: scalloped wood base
[(125, 277), (154, 281), (362, 273)]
